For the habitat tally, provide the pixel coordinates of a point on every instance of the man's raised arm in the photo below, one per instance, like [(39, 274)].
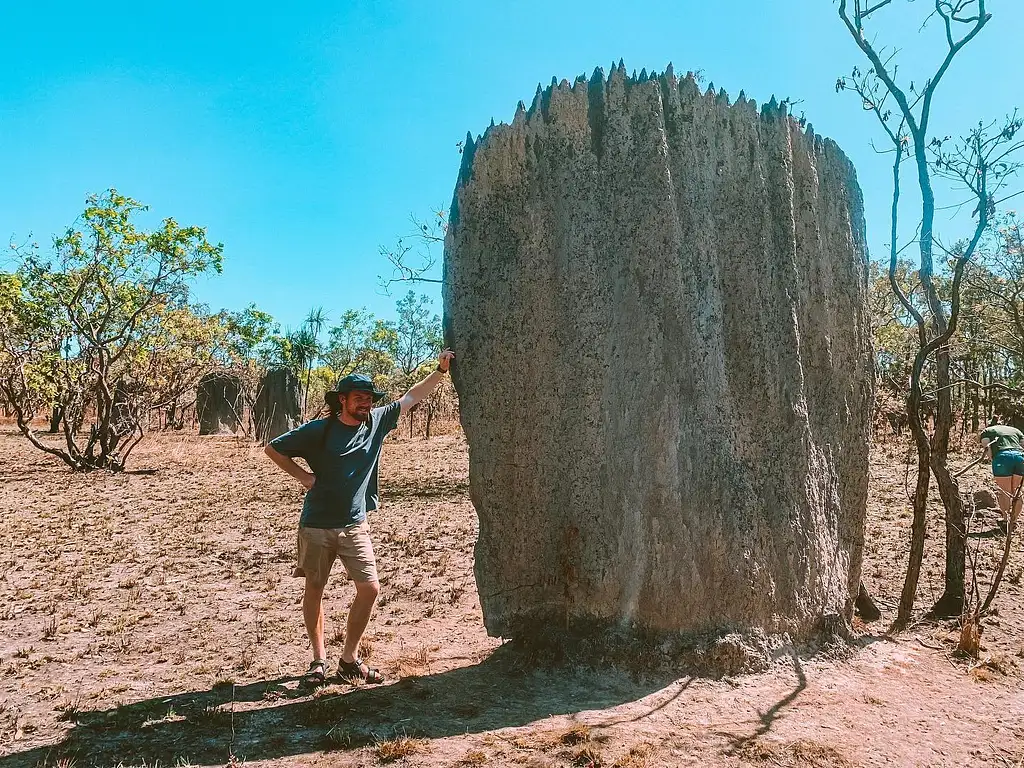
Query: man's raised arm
[(423, 389)]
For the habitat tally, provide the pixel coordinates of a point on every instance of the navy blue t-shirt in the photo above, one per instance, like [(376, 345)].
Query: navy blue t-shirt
[(345, 466)]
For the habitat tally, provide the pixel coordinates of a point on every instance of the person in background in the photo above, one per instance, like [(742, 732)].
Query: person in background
[(1006, 445)]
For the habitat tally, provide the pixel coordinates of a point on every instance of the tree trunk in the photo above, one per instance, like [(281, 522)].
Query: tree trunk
[(55, 417), (975, 402), (918, 527), (668, 294), (276, 409), (952, 600), (219, 404)]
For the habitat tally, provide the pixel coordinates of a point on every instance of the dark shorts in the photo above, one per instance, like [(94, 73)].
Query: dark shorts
[(1007, 463)]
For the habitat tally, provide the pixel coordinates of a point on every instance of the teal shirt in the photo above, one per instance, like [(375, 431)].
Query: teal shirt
[(345, 466), (1003, 438)]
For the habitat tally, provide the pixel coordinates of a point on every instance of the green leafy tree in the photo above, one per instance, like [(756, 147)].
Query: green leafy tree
[(994, 322), (360, 342), (417, 333), (78, 326), (301, 351), (308, 347), (348, 341), (378, 357), (179, 347), (247, 337)]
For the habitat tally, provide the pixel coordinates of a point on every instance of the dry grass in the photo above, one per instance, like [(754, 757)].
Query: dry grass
[(1003, 663), (802, 753), (969, 641), (984, 674), (639, 756), (414, 663), (578, 734), (397, 748), (586, 757)]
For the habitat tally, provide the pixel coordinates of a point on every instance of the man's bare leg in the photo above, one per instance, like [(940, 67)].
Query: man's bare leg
[(313, 615), (358, 618)]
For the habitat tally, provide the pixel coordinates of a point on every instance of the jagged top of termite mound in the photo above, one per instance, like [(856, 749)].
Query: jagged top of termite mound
[(549, 103)]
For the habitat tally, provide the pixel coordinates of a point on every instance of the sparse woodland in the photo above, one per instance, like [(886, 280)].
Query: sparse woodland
[(101, 340), (946, 334), (146, 616)]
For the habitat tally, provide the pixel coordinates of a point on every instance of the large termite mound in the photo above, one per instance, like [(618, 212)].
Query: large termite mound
[(657, 300)]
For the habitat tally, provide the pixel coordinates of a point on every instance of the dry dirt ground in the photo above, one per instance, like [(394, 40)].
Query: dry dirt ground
[(148, 618)]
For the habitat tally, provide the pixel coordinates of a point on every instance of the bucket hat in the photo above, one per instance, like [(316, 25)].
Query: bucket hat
[(353, 382)]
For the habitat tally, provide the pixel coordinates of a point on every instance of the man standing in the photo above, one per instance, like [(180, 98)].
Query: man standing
[(342, 452), (1006, 444)]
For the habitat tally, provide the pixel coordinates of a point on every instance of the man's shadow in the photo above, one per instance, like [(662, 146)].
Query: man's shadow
[(221, 724)]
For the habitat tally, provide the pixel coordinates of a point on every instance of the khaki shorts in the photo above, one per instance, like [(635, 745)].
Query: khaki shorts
[(320, 547)]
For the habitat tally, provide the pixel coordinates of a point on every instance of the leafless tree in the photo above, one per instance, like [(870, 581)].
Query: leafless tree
[(413, 258), (981, 162)]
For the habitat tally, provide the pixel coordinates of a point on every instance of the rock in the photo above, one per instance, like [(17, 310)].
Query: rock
[(219, 404), (865, 606), (276, 408), (736, 654), (664, 363), (985, 499)]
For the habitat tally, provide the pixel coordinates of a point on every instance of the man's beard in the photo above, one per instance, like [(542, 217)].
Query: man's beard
[(363, 416)]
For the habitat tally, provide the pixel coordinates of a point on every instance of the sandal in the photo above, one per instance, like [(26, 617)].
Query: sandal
[(359, 670), (317, 673)]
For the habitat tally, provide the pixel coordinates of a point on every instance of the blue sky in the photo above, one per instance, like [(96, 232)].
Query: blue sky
[(305, 139)]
